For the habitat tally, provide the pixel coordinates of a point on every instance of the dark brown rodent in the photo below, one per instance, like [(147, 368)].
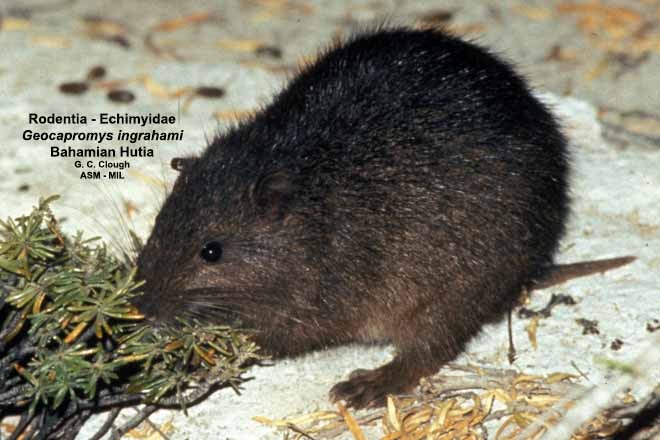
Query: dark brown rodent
[(404, 188)]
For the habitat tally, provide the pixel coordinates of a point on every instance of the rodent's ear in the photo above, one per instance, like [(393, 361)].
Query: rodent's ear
[(272, 192), (181, 163)]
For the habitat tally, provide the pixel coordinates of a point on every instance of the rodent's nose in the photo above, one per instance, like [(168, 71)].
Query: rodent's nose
[(149, 306), (143, 304)]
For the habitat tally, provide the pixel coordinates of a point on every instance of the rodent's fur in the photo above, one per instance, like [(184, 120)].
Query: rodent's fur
[(403, 188)]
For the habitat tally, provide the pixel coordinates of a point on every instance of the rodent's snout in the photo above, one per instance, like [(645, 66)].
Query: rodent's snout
[(145, 305), (157, 310), (148, 302), (157, 301)]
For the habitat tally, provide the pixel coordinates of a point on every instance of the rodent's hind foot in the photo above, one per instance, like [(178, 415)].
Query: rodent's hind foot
[(365, 390), (370, 388)]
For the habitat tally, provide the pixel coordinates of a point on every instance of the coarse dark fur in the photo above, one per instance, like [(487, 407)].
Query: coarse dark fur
[(404, 188)]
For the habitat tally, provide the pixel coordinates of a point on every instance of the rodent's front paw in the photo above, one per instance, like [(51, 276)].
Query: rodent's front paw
[(366, 388)]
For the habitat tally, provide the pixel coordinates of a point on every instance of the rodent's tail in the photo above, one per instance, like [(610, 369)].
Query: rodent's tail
[(561, 273)]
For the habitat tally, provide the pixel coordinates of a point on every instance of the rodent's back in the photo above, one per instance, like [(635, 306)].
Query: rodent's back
[(421, 137)]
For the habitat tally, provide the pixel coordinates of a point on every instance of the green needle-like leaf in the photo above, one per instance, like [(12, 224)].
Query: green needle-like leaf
[(65, 302)]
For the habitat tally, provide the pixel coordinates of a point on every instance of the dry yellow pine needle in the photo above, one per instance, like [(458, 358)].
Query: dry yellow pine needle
[(436, 427), (36, 307), (598, 70), (604, 428), (133, 358), (262, 16), (502, 428), (174, 345), (393, 414), (272, 4), (500, 431), (105, 27), (134, 316), (240, 45), (51, 42), (414, 420), (531, 331), (266, 421), (477, 369), (473, 28), (353, 427), (64, 323), (441, 413), (86, 352), (155, 88), (233, 115), (270, 8), (207, 356), (75, 332), (147, 432), (542, 400), (19, 369), (460, 424), (523, 419), (611, 13), (98, 330), (480, 410), (559, 377), (176, 23), (52, 227), (14, 24), (525, 378), (499, 394), (460, 412), (488, 407), (535, 13), (297, 421)]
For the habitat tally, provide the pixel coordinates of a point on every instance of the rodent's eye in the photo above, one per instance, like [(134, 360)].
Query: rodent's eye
[(212, 251)]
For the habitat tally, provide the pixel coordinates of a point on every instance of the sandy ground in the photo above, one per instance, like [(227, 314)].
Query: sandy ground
[(590, 62)]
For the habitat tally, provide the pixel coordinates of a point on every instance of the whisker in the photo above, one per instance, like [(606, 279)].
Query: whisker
[(211, 306), (262, 305)]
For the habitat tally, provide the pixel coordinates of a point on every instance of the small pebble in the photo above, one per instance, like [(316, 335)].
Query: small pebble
[(269, 51), (119, 40), (589, 327), (119, 95), (210, 92), (616, 344), (74, 87), (440, 16), (96, 73), (24, 187)]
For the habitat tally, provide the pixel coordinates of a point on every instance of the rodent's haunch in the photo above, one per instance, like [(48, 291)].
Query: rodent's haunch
[(404, 188)]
